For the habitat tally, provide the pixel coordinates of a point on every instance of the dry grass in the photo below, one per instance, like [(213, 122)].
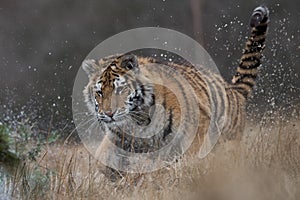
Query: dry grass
[(265, 166)]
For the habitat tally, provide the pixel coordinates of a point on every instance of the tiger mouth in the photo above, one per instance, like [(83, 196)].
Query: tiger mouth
[(125, 118), (111, 119)]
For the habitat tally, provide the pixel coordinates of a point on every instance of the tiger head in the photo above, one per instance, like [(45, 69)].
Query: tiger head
[(117, 91)]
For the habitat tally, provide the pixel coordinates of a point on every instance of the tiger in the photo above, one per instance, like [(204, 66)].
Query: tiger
[(123, 99)]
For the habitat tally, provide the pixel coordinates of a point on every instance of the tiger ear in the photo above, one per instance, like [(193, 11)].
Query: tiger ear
[(130, 62), (89, 66)]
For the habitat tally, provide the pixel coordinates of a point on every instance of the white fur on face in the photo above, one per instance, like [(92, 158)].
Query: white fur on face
[(98, 87), (119, 82)]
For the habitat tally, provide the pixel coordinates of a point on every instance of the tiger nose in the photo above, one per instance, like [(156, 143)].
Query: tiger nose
[(109, 113)]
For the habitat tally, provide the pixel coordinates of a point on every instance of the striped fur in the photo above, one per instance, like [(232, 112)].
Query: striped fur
[(246, 73), (108, 74)]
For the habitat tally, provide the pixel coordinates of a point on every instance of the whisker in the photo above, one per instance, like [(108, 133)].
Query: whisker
[(93, 120), (92, 125), (139, 112), (83, 122), (77, 127), (134, 119), (138, 116), (83, 113)]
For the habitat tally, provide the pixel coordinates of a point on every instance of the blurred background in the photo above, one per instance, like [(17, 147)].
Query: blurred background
[(44, 42)]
